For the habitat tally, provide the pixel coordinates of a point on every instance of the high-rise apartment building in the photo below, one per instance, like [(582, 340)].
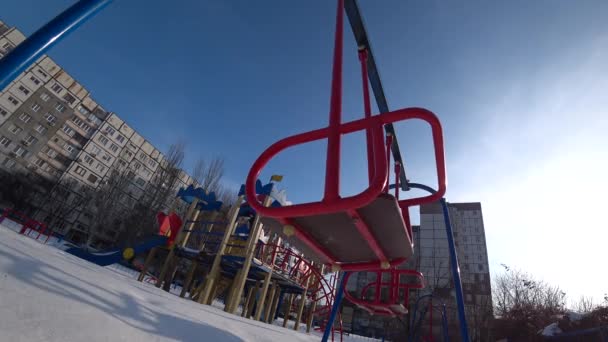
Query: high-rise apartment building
[(51, 126), (432, 258)]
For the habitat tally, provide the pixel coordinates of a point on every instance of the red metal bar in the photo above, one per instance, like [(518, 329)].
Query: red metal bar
[(332, 168), (380, 178), (366, 233), (389, 143), (368, 113), (376, 306)]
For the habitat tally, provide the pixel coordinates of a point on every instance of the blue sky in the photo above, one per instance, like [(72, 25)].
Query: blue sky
[(520, 87)]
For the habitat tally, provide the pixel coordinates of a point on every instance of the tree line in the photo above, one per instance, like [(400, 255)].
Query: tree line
[(113, 208)]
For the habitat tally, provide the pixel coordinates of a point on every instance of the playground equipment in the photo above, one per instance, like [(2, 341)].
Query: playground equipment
[(397, 291), (366, 232), (27, 224), (419, 315), (116, 255)]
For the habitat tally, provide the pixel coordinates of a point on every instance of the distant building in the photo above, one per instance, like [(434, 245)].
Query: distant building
[(51, 126), (432, 258)]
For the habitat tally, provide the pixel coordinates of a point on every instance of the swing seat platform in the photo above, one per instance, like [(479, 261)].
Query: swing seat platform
[(339, 233)]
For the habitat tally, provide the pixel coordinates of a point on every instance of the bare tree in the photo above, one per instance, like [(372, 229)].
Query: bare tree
[(163, 184), (523, 305), (66, 199), (584, 305), (209, 176), (110, 203)]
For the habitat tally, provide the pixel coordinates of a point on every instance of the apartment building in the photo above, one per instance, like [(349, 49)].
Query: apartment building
[(432, 258), (51, 126)]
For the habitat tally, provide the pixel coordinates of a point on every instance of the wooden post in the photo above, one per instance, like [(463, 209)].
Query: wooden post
[(241, 278), (260, 307), (192, 213), (313, 307), (270, 302), (253, 299), (149, 259), (288, 310), (301, 306), (247, 301), (213, 275), (275, 305), (189, 278)]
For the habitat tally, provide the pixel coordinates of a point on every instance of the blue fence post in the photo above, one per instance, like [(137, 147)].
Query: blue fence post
[(464, 330), (35, 46), (335, 308)]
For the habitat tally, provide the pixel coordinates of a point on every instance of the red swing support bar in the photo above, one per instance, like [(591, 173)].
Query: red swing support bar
[(392, 308), (378, 164)]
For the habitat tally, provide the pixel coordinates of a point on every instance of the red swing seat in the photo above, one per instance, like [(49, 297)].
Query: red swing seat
[(389, 297), (367, 231)]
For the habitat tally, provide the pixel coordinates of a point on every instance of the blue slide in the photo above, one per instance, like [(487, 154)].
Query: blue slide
[(112, 256)]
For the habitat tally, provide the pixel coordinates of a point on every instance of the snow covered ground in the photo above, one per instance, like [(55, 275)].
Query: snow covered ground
[(49, 295)]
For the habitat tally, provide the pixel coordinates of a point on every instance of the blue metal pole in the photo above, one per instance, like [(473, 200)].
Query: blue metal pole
[(464, 330), (38, 43), (335, 308)]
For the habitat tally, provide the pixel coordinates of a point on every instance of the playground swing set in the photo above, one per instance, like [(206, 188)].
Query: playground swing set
[(367, 232)]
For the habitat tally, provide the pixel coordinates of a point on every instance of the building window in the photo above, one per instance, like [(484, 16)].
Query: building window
[(15, 129), (151, 163), (42, 73), (34, 80), (480, 267), (100, 168), (120, 138), (113, 148), (50, 119), (8, 163), (80, 171), (45, 97), (40, 163), (103, 140), (76, 120), (30, 140), (95, 150), (13, 100), (24, 90), (59, 107), (106, 158), (4, 141), (20, 151), (110, 131), (88, 159), (40, 129), (3, 112), (69, 148), (35, 107), (140, 181), (83, 111), (56, 87), (51, 153), (69, 98), (25, 118), (92, 178), (67, 130)]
